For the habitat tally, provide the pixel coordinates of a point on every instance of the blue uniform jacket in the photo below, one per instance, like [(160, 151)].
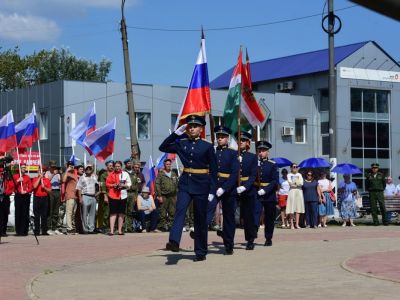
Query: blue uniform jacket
[(248, 168), (268, 173), (228, 163), (196, 154)]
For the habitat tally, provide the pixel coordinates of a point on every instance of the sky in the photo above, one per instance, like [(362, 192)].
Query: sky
[(90, 29)]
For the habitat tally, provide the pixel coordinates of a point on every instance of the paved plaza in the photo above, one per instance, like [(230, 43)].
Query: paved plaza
[(353, 263)]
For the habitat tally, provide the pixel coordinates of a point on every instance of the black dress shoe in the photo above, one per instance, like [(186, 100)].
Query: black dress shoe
[(192, 235), (385, 224), (250, 246), (268, 243), (229, 252), (199, 258), (172, 246), (45, 233), (220, 233)]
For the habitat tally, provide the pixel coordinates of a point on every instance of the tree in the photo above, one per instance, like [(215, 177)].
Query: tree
[(47, 66)]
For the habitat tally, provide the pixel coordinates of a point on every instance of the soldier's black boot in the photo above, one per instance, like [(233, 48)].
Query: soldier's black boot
[(250, 246), (268, 243), (172, 246)]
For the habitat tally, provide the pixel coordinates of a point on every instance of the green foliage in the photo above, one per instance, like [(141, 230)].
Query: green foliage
[(18, 71)]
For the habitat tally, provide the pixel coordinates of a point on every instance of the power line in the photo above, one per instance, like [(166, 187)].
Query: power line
[(234, 27)]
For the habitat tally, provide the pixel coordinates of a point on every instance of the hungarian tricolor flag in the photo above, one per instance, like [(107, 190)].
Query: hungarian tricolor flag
[(198, 99), (250, 108), (241, 95)]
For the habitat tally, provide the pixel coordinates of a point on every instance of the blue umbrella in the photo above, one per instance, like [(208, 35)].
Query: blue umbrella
[(282, 162), (346, 169), (314, 162)]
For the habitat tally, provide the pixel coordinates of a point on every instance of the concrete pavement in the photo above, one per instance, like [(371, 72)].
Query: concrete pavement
[(360, 262)]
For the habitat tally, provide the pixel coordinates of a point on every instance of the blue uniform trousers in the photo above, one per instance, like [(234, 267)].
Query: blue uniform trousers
[(311, 210), (247, 207), (269, 218), (257, 212), (228, 213), (200, 203)]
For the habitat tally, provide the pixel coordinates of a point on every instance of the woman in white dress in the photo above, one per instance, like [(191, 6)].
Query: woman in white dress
[(295, 201)]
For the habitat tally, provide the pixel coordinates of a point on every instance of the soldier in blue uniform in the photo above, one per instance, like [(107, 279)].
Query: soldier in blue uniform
[(228, 172), (267, 182), (197, 182), (247, 194)]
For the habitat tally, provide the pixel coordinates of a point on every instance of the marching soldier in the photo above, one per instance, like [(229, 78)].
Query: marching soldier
[(166, 188), (197, 182), (375, 183), (247, 194), (268, 179), (132, 195), (228, 172)]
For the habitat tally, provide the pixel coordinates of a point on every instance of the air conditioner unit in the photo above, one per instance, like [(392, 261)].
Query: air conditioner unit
[(287, 131)]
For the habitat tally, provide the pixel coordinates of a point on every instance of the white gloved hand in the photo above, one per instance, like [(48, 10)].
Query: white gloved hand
[(181, 130), (261, 192), (210, 197), (219, 192), (240, 189)]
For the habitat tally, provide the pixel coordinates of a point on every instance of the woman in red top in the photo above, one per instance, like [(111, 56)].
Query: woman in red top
[(41, 191), (22, 201), (117, 183)]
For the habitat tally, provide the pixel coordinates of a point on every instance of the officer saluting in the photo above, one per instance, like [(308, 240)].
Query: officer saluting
[(247, 191), (197, 183), (268, 179), (228, 172)]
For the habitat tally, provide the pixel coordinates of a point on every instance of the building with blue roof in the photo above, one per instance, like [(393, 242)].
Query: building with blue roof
[(368, 100)]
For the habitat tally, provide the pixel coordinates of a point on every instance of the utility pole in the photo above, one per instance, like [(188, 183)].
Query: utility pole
[(135, 150)]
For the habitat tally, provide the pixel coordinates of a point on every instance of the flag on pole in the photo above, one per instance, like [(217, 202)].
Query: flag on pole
[(233, 100), (8, 139), (27, 131), (250, 107), (160, 161), (73, 160), (149, 174), (101, 141), (85, 126), (198, 99)]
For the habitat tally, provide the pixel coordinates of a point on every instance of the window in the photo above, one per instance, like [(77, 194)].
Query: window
[(174, 117), (301, 130), (324, 120), (370, 129), (43, 126), (143, 125)]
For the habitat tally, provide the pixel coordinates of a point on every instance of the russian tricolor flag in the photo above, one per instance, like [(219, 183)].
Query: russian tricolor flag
[(27, 131), (160, 161), (101, 141), (85, 126), (198, 99), (8, 139), (149, 174)]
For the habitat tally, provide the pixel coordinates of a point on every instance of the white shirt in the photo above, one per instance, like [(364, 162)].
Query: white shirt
[(284, 187), (125, 178), (390, 190), (324, 184), (295, 179)]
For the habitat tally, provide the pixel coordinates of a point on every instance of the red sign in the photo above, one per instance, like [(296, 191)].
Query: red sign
[(32, 160)]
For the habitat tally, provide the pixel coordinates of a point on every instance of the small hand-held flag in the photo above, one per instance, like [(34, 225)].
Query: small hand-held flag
[(27, 131), (84, 127), (8, 139), (101, 141)]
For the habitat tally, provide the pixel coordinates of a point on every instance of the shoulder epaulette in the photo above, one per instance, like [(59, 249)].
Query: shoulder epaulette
[(183, 139), (232, 149), (272, 161)]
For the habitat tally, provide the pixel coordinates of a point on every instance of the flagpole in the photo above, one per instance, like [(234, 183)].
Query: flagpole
[(212, 128), (19, 167), (30, 159), (238, 121)]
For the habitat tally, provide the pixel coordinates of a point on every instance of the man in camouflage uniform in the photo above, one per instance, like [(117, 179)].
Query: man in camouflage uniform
[(132, 196), (166, 189), (375, 184), (103, 212)]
